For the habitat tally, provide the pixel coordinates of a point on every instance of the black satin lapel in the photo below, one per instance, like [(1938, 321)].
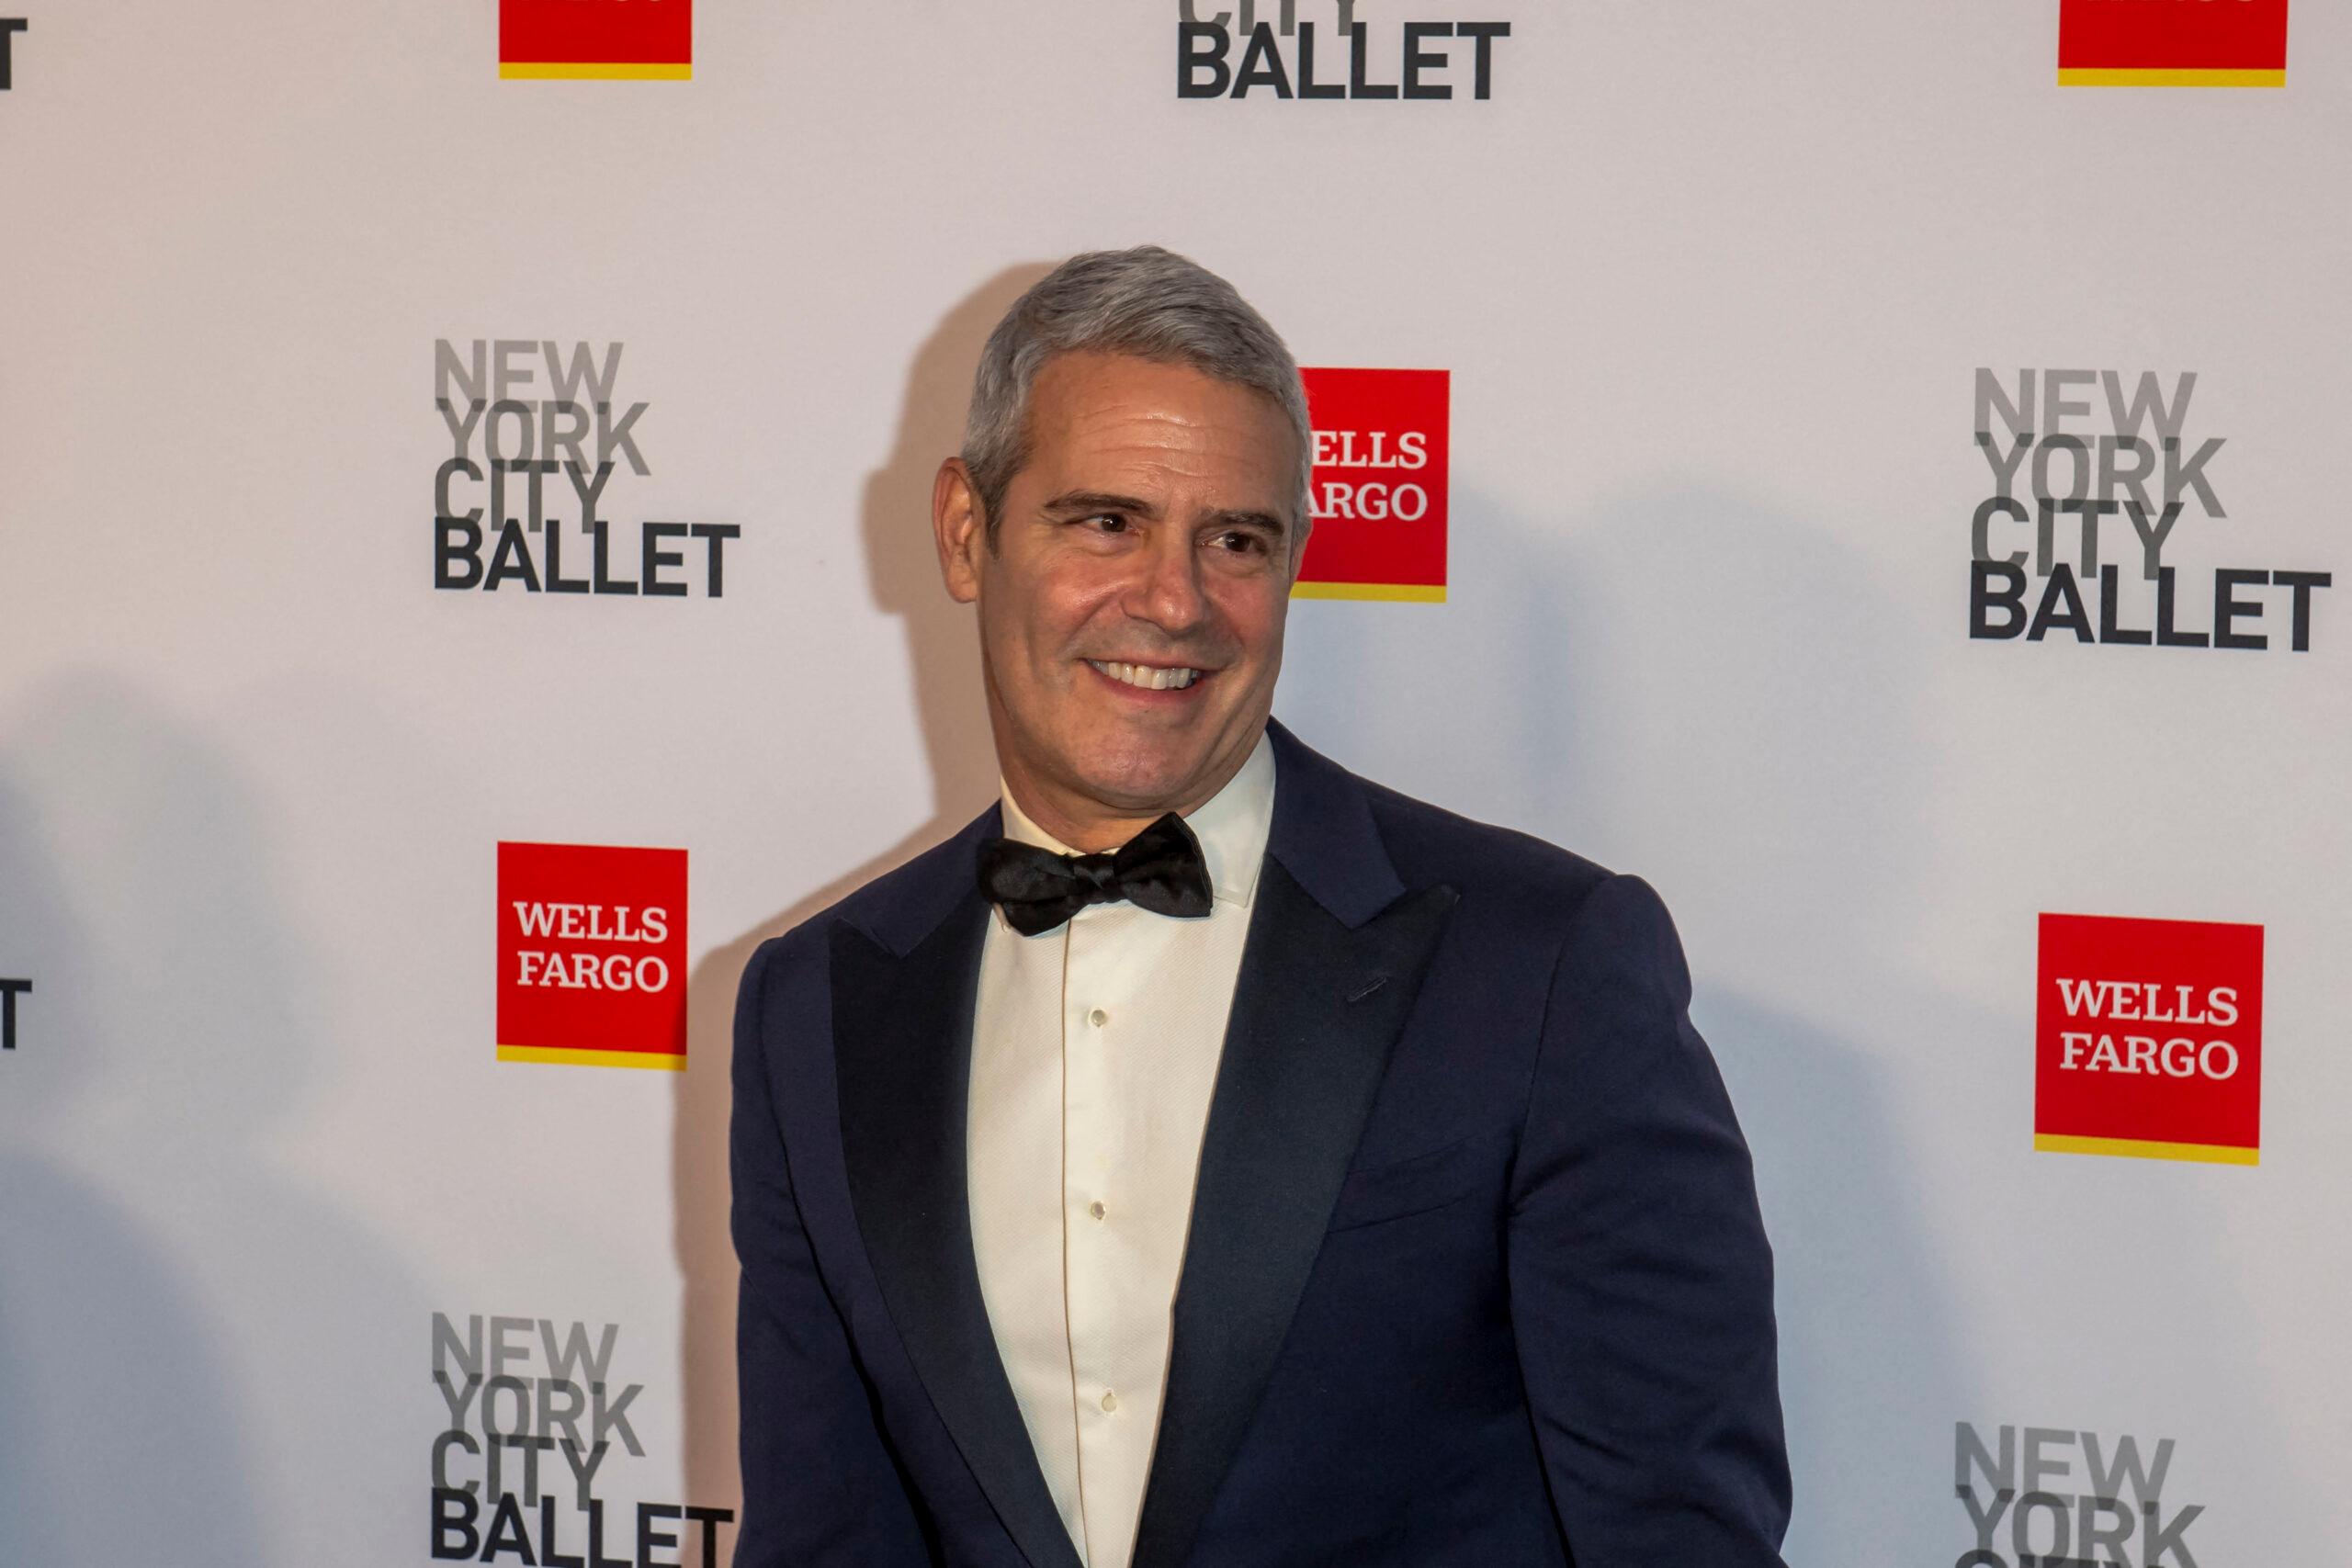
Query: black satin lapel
[(1315, 1013), (902, 1040)]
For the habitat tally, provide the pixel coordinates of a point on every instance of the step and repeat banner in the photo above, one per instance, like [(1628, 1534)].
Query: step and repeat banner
[(1874, 470)]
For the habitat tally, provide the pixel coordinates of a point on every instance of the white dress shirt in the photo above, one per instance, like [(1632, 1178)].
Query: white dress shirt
[(1094, 1050)]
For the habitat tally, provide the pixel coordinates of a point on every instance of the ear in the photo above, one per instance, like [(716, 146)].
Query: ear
[(958, 529)]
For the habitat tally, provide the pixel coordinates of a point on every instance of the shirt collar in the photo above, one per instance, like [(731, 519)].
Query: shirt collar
[(1232, 826)]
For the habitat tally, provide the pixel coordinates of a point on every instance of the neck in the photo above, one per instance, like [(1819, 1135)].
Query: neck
[(1095, 827)]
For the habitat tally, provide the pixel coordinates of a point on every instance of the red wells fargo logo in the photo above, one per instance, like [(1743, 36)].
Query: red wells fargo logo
[(2149, 1039), (1378, 496), (591, 955), (2172, 43), (623, 39)]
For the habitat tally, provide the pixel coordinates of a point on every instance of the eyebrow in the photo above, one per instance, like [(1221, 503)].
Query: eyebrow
[(1099, 500), (1087, 501)]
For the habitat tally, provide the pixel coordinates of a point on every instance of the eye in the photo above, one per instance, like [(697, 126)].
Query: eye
[(1241, 541), (1107, 522)]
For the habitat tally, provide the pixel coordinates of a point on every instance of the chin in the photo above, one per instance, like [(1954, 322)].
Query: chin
[(1140, 784)]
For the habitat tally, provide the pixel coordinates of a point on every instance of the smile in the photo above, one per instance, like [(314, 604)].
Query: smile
[(1149, 677)]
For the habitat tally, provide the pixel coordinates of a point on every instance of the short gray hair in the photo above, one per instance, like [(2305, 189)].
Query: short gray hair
[(1147, 302)]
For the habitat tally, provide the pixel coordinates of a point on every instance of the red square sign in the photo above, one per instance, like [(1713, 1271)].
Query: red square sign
[(2172, 43), (2149, 1039), (633, 40), (1378, 497), (591, 955)]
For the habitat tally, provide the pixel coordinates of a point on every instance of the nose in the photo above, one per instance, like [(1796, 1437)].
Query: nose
[(1167, 591)]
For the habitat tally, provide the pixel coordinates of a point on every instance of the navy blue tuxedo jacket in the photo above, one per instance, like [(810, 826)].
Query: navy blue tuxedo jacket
[(1474, 1275)]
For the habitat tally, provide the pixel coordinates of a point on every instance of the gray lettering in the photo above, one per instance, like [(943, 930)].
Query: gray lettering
[(456, 1399), (583, 1470), (521, 414), (1187, 11), (566, 382), (575, 1400), (610, 436), (1992, 396), (588, 491), (448, 1346), (573, 1354), (530, 1447), (2152, 553), (2192, 474), (519, 1425), (605, 1418), (506, 373), (1987, 1520), (2106, 1478), (565, 435), (2073, 445), (2091, 511), (2148, 402), (1981, 543), (2055, 404), (462, 435), (2167, 1539), (466, 378), (2005, 474), (2040, 1469), (2091, 1535), (2061, 1526), (2134, 477), (441, 1446)]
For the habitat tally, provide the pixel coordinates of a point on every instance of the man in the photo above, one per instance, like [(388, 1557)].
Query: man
[(1209, 1157)]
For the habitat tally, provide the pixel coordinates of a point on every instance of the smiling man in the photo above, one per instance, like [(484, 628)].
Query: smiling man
[(1209, 1156)]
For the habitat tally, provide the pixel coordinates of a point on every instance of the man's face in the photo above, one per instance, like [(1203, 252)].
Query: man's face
[(1131, 609)]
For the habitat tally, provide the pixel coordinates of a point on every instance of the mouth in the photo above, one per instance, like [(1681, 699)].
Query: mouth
[(1149, 677)]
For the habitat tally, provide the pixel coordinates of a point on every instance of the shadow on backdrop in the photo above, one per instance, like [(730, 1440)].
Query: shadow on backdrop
[(1719, 698), (1742, 673), (943, 655), (174, 1301)]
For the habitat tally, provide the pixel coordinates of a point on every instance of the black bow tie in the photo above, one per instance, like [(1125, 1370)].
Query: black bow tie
[(1160, 869)]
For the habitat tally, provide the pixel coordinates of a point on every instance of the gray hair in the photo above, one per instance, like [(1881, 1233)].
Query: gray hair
[(1147, 302)]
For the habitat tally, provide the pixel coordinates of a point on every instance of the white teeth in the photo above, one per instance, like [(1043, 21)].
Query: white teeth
[(1146, 676)]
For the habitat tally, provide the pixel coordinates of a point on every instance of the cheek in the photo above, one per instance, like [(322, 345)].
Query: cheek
[(1033, 630), (1255, 615), (1066, 606)]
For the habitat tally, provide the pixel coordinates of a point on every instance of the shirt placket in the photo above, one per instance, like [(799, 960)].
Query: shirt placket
[(1093, 1018)]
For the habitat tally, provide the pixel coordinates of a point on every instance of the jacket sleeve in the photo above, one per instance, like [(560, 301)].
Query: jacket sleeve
[(820, 1484), (1641, 1282)]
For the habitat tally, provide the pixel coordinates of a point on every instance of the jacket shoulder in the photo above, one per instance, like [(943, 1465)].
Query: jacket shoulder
[(1517, 876), (1524, 896), (896, 908)]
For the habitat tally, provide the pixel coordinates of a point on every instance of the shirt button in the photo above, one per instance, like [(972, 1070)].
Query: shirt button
[(1095, 1208), (1110, 1400), (1098, 1018)]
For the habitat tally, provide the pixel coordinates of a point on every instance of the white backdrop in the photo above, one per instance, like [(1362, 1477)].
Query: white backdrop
[(1712, 281)]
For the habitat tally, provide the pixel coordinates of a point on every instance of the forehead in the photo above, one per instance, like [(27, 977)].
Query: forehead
[(1089, 408)]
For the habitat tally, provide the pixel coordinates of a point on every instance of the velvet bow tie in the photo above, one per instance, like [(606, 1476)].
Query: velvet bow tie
[(1160, 869)]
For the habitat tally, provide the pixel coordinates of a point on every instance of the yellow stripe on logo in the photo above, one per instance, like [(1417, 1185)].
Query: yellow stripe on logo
[(610, 71), (2138, 1148), (2137, 76), (659, 1061), (1406, 592)]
